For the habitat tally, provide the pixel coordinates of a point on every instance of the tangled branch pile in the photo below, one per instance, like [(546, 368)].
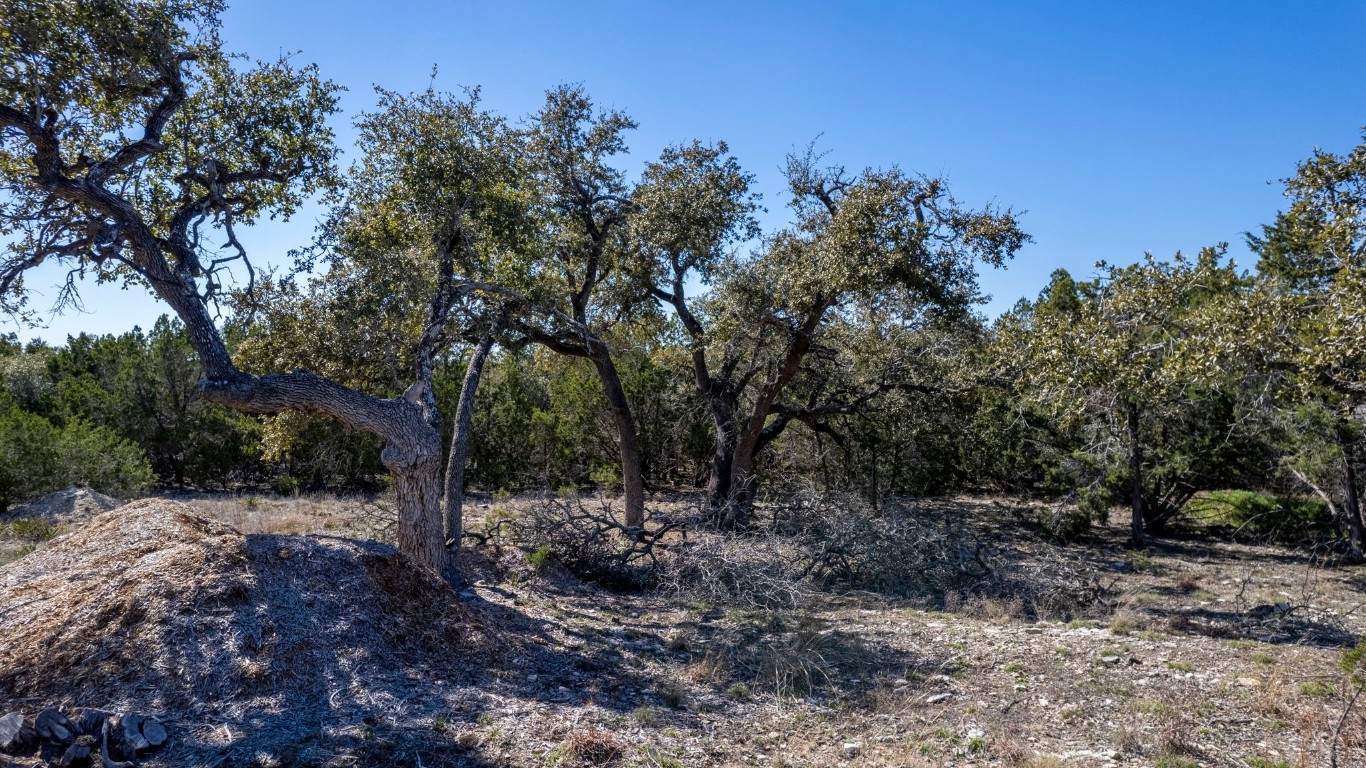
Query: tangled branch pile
[(808, 542)]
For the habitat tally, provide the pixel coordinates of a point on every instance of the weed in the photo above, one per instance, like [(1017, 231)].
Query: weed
[(1129, 741), (1318, 688), (1154, 708), (540, 558), (1125, 621), (1043, 761), (655, 758), (1174, 741), (31, 529), (594, 745), (674, 695)]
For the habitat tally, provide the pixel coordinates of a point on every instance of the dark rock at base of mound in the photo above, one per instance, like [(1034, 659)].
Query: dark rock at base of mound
[(151, 608)]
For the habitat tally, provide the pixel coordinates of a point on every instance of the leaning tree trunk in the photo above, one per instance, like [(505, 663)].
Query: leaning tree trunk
[(1136, 470), (460, 450), (632, 474)]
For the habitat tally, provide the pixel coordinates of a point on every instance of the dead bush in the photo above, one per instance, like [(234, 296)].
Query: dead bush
[(787, 655), (751, 571), (901, 549), (589, 540), (1175, 737), (594, 745)]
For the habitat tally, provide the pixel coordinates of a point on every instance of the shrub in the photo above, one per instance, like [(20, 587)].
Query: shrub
[(588, 540), (27, 454), (96, 457), (1065, 522), (1281, 518)]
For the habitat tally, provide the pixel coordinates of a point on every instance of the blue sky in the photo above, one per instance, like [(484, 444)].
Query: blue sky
[(1121, 128)]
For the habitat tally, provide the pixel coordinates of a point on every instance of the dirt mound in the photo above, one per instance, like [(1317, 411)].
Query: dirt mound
[(72, 504), (151, 607)]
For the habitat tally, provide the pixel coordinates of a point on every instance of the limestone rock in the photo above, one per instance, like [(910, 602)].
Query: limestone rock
[(130, 733), (154, 732), (16, 735)]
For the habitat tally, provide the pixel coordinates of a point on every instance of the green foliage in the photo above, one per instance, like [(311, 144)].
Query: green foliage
[(141, 98), (1280, 517), (96, 457), (1065, 522), (37, 457), (540, 557), (1138, 368), (30, 529), (27, 454), (144, 387)]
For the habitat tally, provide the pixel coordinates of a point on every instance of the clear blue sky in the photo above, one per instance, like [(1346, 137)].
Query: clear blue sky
[(1120, 127)]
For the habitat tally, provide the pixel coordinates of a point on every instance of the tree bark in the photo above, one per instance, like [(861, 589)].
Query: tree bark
[(460, 450), (1136, 469), (417, 494), (632, 474), (1351, 502)]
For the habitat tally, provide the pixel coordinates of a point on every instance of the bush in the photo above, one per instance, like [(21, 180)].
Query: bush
[(96, 457), (1280, 518), (755, 571), (586, 539), (1065, 522), (27, 454)]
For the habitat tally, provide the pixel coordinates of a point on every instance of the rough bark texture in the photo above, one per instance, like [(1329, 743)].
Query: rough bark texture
[(632, 475), (460, 450), (1351, 502)]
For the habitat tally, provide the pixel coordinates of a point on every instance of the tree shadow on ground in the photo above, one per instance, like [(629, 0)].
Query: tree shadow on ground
[(1272, 625), (343, 652)]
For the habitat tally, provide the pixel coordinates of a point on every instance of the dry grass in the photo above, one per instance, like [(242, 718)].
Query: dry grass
[(334, 650), (296, 515), (593, 745)]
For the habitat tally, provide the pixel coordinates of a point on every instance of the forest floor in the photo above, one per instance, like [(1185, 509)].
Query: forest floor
[(1202, 653)]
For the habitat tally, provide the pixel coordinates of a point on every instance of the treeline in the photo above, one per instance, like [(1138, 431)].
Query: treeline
[(1160, 386), (496, 302), (540, 423)]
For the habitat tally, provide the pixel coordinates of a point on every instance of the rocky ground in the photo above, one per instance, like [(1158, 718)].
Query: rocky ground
[(291, 648)]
